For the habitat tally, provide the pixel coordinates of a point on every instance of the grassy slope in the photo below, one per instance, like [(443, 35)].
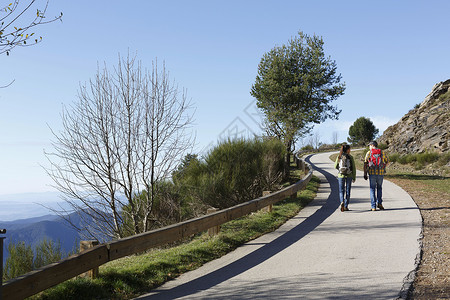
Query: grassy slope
[(131, 276)]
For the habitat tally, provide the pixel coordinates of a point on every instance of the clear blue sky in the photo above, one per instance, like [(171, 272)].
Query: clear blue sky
[(390, 54)]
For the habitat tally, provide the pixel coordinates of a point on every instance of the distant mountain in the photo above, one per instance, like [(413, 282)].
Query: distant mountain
[(24, 222), (28, 217), (424, 128), (33, 230)]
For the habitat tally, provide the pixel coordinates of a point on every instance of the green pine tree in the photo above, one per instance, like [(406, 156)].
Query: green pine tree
[(362, 131)]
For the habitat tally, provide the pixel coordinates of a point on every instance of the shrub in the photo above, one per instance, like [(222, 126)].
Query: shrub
[(410, 158), (382, 146), (394, 157), (22, 259), (427, 157), (402, 159), (307, 148), (240, 170), (47, 252), (19, 261), (165, 209), (233, 172), (420, 159), (189, 184), (330, 146), (418, 165), (444, 159)]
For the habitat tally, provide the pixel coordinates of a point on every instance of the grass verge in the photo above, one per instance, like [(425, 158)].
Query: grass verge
[(132, 276), (432, 196)]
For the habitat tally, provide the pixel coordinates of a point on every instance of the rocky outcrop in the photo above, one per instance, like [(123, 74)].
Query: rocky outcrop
[(424, 128)]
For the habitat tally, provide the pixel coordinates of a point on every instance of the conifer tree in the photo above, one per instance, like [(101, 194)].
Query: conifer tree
[(362, 131)]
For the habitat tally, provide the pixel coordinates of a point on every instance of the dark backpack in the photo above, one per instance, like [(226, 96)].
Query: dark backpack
[(376, 159), (345, 165)]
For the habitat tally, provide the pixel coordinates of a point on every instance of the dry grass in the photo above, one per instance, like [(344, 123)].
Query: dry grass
[(432, 196)]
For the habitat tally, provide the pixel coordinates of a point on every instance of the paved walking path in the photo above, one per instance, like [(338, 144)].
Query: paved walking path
[(322, 253)]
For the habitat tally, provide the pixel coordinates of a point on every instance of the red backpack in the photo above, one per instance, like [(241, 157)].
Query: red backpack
[(376, 159)]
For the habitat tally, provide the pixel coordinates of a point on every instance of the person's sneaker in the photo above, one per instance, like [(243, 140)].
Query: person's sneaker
[(342, 206), (380, 207), (346, 208), (374, 209)]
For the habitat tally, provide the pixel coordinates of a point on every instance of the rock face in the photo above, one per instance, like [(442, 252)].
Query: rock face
[(424, 128)]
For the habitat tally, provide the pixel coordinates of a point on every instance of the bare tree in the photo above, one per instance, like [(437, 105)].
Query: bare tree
[(123, 137), (315, 140), (334, 137), (17, 20)]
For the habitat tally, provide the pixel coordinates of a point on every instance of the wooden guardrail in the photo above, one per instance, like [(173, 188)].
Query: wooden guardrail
[(53, 274)]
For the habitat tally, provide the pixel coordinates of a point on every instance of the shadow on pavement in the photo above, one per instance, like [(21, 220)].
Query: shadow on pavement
[(293, 288), (260, 255)]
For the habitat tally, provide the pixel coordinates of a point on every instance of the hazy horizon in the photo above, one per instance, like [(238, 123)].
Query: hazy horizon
[(27, 205)]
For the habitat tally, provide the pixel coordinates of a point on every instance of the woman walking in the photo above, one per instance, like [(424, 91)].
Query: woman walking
[(345, 164)]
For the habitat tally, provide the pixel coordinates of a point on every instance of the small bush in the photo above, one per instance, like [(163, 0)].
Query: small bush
[(418, 165), (326, 147), (307, 148), (382, 146), (420, 159), (394, 157), (239, 170), (22, 259), (233, 172), (402, 159), (427, 157), (444, 159), (47, 252), (410, 158)]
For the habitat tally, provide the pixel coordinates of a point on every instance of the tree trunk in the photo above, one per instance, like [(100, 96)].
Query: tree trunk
[(287, 164)]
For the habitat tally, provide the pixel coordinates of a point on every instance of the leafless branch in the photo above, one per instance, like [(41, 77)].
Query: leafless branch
[(124, 137)]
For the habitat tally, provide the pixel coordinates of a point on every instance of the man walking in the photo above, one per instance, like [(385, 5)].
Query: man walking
[(375, 163)]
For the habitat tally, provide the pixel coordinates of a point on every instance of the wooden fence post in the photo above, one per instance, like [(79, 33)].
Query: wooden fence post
[(294, 195), (2, 231), (268, 208), (84, 245), (303, 166), (213, 230)]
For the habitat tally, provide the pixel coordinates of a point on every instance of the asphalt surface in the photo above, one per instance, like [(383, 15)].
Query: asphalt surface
[(322, 253)]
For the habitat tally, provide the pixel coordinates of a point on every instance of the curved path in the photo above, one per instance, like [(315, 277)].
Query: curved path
[(322, 253)]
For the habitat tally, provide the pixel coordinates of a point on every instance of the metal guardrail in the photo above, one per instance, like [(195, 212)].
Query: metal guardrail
[(53, 274)]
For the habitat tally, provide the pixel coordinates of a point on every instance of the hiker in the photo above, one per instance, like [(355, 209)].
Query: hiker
[(347, 174), (375, 163)]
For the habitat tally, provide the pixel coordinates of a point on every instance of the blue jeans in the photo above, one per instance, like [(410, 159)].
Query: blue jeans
[(345, 185), (376, 189)]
